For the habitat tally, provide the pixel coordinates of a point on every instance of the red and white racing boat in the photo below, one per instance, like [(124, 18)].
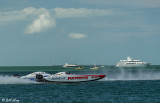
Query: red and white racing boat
[(63, 77), (70, 78)]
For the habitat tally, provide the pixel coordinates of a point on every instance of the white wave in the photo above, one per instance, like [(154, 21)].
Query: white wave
[(5, 79)]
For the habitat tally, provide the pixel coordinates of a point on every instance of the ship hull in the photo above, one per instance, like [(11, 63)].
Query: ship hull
[(132, 65)]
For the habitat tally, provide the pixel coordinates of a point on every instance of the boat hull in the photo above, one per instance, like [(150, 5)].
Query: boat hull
[(132, 65), (62, 77), (73, 78)]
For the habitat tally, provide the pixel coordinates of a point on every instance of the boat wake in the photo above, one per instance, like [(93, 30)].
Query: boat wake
[(5, 79), (133, 75)]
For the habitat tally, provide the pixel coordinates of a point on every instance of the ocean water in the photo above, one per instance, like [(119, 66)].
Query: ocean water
[(121, 85)]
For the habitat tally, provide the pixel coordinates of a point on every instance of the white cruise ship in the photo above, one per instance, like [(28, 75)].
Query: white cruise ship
[(131, 63)]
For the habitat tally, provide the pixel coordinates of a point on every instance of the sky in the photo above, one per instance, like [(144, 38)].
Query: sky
[(84, 32)]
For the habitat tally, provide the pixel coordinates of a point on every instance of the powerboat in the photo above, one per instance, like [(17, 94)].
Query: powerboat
[(95, 68), (131, 63), (33, 76), (79, 68), (61, 77), (66, 65)]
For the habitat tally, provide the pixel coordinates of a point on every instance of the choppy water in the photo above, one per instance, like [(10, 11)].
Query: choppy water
[(122, 85)]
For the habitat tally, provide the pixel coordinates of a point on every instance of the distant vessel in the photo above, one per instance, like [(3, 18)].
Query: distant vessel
[(131, 63), (69, 65), (95, 68), (79, 68)]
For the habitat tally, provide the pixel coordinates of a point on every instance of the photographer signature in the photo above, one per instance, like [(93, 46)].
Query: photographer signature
[(13, 100)]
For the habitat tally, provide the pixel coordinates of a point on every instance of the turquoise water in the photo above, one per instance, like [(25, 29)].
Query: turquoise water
[(122, 85)]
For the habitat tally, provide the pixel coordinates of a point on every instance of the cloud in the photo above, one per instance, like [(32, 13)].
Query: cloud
[(18, 15), (42, 19), (80, 12), (77, 35), (43, 22), (6, 17)]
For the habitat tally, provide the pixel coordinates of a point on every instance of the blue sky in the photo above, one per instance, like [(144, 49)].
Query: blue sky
[(47, 32)]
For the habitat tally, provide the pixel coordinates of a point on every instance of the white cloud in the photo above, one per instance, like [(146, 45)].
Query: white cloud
[(43, 22), (6, 17), (18, 15), (77, 35), (80, 12), (43, 19)]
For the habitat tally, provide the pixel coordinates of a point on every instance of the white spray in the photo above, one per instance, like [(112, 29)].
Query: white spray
[(13, 80), (124, 74)]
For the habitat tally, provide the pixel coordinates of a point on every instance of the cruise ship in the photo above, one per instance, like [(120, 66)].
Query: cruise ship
[(131, 63)]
